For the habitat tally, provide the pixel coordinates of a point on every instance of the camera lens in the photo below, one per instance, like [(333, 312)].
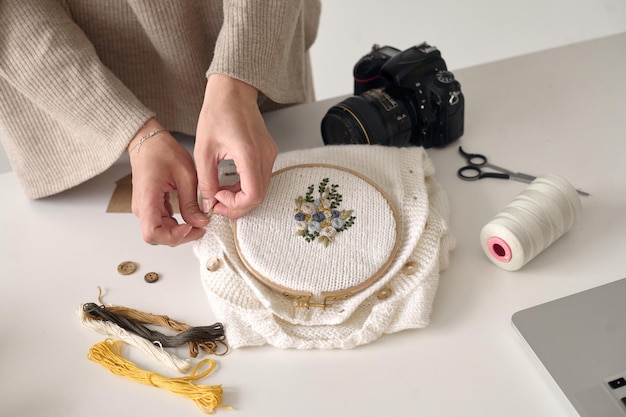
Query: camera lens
[(373, 118)]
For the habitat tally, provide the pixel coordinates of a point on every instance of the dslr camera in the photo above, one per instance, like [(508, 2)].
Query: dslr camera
[(401, 98)]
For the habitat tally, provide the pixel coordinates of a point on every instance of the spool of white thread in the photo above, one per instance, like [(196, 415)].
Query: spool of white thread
[(537, 217)]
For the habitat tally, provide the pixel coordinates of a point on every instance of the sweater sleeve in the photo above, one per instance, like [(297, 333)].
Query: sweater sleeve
[(47, 58), (264, 43)]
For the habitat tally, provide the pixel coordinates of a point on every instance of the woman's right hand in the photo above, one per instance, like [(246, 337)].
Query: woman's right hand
[(161, 165)]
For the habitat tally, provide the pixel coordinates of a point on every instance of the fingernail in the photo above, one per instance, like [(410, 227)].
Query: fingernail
[(187, 232), (207, 206)]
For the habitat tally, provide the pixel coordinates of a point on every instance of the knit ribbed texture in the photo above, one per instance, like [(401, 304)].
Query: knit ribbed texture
[(269, 36), (78, 78), (254, 314), (284, 252)]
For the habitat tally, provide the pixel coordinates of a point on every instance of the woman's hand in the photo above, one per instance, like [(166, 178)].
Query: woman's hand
[(230, 126), (161, 165)]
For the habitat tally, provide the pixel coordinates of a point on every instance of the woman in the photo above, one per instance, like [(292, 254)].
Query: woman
[(82, 81)]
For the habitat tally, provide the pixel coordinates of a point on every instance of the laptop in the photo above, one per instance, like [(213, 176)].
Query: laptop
[(581, 341)]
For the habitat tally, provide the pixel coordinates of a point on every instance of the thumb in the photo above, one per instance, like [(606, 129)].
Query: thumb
[(208, 184), (188, 204)]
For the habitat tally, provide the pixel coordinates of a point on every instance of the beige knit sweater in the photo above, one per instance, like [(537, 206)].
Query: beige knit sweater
[(78, 78)]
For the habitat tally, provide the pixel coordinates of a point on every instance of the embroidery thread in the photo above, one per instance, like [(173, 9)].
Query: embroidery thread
[(321, 218)]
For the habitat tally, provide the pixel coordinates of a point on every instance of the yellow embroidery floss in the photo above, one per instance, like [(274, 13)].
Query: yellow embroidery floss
[(109, 354)]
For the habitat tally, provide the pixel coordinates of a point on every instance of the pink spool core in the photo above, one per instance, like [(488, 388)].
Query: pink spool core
[(499, 249)]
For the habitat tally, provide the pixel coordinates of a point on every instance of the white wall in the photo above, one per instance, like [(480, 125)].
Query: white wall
[(468, 32)]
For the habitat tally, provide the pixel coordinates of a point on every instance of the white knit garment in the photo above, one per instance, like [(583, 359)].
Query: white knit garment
[(255, 314)]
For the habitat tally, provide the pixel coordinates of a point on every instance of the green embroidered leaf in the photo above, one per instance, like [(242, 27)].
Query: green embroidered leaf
[(300, 233), (322, 186), (309, 194), (324, 241), (345, 214)]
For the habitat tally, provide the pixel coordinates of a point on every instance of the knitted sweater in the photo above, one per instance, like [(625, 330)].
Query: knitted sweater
[(254, 268), (78, 78)]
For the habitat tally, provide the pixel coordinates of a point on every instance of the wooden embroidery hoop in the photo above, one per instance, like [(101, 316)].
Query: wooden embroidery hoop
[(327, 298)]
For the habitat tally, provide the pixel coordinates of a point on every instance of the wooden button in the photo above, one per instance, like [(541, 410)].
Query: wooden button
[(213, 264), (409, 268), (151, 277), (127, 267), (384, 293)]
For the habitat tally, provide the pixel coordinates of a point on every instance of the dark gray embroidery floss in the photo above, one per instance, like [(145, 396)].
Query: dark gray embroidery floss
[(197, 334)]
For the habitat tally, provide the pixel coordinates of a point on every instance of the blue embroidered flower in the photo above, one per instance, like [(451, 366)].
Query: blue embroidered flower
[(318, 216), (321, 218), (314, 227), (337, 223)]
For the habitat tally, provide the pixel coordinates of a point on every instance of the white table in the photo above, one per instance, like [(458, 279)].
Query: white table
[(561, 111)]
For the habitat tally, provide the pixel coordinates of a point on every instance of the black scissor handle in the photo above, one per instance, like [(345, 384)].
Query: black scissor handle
[(475, 159), (473, 173), (469, 173)]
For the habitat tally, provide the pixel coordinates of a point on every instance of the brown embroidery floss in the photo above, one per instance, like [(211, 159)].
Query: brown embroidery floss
[(157, 353), (200, 333), (210, 346)]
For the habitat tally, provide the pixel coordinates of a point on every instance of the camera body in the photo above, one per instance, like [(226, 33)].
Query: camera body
[(402, 98)]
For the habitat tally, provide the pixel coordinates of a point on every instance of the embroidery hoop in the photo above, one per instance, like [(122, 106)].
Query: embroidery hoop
[(307, 298)]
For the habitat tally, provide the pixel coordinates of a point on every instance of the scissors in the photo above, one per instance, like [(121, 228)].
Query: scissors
[(474, 170)]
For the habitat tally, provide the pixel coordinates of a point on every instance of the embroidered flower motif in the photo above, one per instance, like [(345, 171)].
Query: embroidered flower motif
[(337, 223), (314, 227), (318, 216), (329, 232), (321, 218), (308, 208)]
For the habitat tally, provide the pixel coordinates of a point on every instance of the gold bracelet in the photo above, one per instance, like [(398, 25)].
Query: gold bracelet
[(146, 137)]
